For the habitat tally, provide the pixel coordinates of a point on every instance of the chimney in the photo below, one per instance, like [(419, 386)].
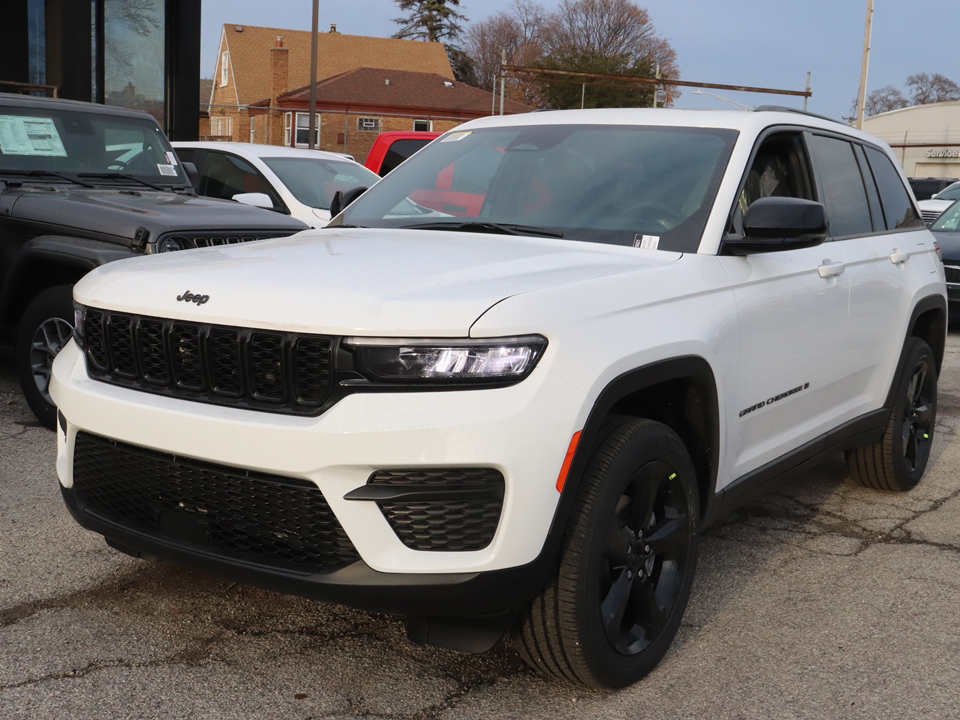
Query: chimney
[(333, 28), (279, 64)]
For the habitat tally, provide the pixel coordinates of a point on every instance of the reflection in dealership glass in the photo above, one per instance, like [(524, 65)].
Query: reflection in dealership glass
[(607, 184)]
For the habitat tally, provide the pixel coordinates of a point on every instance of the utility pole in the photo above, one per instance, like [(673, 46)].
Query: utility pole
[(656, 88), (503, 76), (807, 96), (862, 97), (313, 79)]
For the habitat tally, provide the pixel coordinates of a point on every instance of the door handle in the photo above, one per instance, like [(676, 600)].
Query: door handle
[(899, 258), (831, 269)]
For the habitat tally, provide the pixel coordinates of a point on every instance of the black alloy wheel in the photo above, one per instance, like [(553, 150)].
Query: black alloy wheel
[(627, 564), (45, 328), (897, 462)]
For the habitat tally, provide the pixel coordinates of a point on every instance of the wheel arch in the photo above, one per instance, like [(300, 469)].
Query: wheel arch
[(929, 323), (679, 392), (47, 261)]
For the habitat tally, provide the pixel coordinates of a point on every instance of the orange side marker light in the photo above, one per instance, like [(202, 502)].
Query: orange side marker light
[(568, 460)]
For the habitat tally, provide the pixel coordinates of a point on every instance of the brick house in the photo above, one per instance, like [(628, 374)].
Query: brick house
[(257, 63), (355, 106)]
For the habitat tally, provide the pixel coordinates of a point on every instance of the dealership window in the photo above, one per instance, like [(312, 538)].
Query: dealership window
[(423, 125), (302, 137), (224, 68), (368, 124)]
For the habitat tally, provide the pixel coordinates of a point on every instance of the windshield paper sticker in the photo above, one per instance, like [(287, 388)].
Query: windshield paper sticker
[(171, 157), (21, 135), (167, 169), (454, 137), (646, 242)]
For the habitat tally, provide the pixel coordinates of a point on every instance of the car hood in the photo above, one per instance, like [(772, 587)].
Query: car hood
[(119, 212), (354, 281), (949, 242)]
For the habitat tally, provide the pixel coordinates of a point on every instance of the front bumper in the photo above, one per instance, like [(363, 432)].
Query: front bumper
[(522, 431)]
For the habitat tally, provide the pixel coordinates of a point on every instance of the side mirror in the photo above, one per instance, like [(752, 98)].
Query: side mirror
[(780, 223), (193, 175), (260, 200), (342, 198)]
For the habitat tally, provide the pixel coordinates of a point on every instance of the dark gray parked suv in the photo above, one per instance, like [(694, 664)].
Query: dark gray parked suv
[(82, 185)]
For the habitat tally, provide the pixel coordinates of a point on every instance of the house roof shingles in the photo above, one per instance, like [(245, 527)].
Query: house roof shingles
[(402, 90), (336, 54)]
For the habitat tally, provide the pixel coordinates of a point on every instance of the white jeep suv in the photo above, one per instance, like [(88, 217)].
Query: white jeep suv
[(509, 386)]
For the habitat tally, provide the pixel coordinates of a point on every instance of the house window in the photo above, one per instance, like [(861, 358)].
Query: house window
[(302, 138), (221, 127), (368, 124), (224, 68), (423, 125)]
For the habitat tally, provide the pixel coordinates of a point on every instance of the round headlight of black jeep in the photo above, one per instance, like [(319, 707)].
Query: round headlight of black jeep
[(171, 244)]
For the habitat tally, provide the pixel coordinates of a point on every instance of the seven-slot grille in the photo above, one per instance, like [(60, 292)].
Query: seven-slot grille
[(278, 521), (259, 369), (202, 239), (953, 273), (929, 216)]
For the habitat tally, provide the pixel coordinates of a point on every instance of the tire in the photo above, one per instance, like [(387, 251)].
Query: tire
[(45, 328), (626, 567), (896, 463)]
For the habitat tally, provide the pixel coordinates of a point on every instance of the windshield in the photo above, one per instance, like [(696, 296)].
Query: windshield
[(85, 146), (621, 185), (314, 181), (951, 193), (949, 219)]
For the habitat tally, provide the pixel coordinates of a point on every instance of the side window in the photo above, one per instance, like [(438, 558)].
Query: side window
[(227, 175), (778, 169), (873, 197), (897, 206), (843, 191), (399, 151)]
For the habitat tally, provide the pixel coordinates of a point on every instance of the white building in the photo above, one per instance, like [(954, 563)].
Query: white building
[(926, 138)]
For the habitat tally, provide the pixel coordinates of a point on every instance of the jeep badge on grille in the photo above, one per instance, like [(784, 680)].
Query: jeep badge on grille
[(190, 297)]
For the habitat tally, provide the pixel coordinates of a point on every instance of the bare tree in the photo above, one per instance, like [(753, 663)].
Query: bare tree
[(430, 20), (926, 89), (884, 100), (612, 29), (519, 32)]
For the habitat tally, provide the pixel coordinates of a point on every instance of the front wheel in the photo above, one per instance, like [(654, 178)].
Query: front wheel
[(897, 462), (45, 328), (627, 563)]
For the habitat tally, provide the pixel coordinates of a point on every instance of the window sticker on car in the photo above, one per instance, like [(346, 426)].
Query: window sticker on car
[(21, 135), (167, 169), (646, 242), (171, 157), (454, 137)]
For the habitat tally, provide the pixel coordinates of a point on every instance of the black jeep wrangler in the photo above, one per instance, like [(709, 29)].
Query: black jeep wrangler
[(81, 185)]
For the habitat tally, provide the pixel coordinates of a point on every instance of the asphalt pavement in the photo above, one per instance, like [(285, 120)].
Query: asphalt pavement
[(822, 600)]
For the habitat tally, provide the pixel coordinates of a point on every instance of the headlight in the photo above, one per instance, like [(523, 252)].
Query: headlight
[(78, 314), (487, 361), (169, 244)]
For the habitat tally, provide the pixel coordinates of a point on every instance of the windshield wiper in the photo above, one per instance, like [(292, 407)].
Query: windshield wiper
[(122, 176), (45, 173), (486, 227)]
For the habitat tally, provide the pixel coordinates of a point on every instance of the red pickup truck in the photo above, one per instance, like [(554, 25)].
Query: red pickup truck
[(392, 148)]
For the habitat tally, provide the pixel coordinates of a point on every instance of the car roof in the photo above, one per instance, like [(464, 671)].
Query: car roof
[(749, 122), (40, 103), (261, 151)]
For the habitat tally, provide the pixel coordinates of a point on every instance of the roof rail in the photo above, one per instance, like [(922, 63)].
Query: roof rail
[(783, 108)]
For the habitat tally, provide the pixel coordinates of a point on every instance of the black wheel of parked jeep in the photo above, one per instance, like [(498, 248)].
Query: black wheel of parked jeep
[(627, 564), (45, 328), (897, 462)]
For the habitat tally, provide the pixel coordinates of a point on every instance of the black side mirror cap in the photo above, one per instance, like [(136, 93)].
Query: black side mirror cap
[(193, 175), (342, 198), (780, 223)]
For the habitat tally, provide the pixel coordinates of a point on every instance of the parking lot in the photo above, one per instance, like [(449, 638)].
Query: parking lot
[(823, 600)]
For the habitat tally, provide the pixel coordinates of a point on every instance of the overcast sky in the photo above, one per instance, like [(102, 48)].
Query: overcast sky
[(756, 43)]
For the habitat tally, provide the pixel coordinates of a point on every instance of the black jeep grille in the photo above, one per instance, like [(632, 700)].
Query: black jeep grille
[(203, 239), (952, 273), (258, 369), (450, 523), (278, 521)]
